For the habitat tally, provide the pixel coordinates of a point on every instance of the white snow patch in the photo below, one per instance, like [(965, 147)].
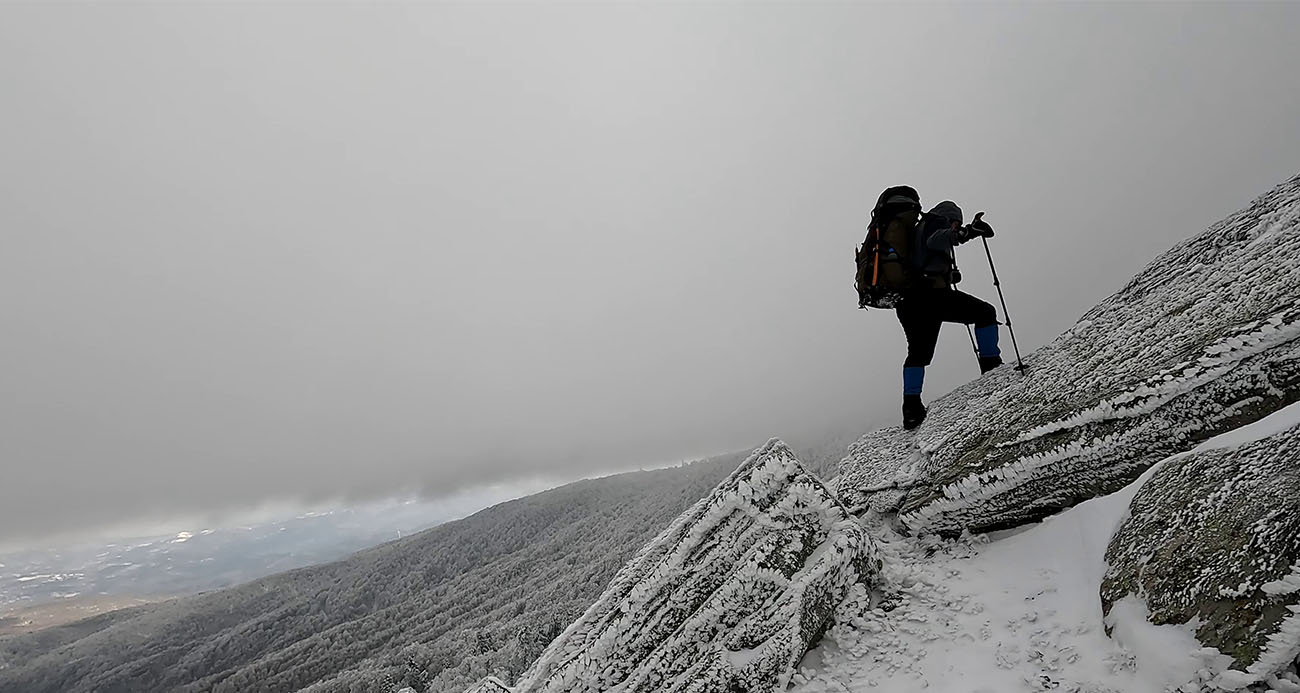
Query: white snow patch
[(1023, 613), (1287, 585), (1281, 420), (1220, 359), (1166, 655)]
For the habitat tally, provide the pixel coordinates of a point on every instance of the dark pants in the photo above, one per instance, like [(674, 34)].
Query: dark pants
[(923, 311)]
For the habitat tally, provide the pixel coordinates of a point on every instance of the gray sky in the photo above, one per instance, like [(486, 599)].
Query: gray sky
[(301, 251)]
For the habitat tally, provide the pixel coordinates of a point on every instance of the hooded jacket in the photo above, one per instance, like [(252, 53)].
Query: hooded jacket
[(935, 239)]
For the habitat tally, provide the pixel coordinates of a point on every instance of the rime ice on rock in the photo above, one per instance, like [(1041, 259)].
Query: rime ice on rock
[(885, 466), (727, 598), (1205, 339), (1214, 538), (490, 684)]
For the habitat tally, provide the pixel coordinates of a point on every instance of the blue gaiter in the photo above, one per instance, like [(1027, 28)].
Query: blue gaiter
[(913, 377), (986, 338)]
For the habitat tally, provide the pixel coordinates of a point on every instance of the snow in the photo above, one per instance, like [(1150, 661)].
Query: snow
[(1209, 389), (729, 595), (1287, 585), (1184, 351), (1220, 359), (1284, 645), (50, 577), (1020, 613), (1277, 422), (1164, 656)]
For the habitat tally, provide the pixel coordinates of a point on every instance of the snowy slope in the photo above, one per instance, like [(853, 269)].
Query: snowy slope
[(1213, 539), (729, 597), (1204, 339), (1022, 613), (471, 597)]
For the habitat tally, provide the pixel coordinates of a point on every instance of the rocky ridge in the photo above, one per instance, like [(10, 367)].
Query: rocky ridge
[(1186, 351), (729, 597), (1204, 341)]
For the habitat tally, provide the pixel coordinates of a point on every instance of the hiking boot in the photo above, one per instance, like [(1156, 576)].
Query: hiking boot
[(913, 411), (988, 363)]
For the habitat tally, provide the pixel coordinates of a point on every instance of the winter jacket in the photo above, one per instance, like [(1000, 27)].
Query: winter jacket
[(935, 240)]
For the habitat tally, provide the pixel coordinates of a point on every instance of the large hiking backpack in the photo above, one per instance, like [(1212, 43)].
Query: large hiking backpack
[(884, 261)]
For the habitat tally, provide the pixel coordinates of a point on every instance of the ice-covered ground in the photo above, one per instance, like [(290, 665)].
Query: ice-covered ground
[(1016, 612), (1203, 339), (729, 597)]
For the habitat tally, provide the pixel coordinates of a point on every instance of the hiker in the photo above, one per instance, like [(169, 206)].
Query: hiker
[(914, 273)]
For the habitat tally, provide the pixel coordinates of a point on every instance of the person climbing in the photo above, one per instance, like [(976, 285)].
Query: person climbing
[(907, 264), (933, 299)]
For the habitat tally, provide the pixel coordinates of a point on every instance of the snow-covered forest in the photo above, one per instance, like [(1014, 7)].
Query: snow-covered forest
[(478, 596)]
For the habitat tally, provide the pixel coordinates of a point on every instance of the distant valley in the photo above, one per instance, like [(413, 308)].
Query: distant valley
[(41, 588)]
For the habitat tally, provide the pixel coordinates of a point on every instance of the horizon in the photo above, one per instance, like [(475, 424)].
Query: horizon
[(450, 507), (273, 256)]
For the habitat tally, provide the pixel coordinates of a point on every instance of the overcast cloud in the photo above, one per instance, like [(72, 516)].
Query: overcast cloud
[(303, 251)]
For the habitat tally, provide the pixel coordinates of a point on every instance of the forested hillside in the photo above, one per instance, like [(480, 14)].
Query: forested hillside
[(478, 596)]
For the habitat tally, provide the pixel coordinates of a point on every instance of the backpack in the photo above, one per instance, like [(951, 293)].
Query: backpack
[(884, 262)]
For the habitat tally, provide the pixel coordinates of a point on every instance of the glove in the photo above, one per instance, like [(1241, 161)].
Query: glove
[(979, 227)]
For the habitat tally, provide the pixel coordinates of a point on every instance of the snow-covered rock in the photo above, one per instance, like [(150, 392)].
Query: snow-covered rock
[(732, 595), (729, 597), (1205, 339), (1213, 539), (880, 469), (491, 684), (1020, 612)]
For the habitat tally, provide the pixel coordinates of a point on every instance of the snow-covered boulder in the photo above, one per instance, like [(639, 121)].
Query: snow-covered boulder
[(1205, 339), (490, 684), (880, 470), (1213, 539), (729, 597)]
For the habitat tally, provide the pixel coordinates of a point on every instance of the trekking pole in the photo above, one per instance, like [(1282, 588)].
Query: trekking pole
[(974, 347), (1020, 364)]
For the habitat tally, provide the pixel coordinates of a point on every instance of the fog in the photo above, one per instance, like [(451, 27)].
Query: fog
[(264, 253)]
